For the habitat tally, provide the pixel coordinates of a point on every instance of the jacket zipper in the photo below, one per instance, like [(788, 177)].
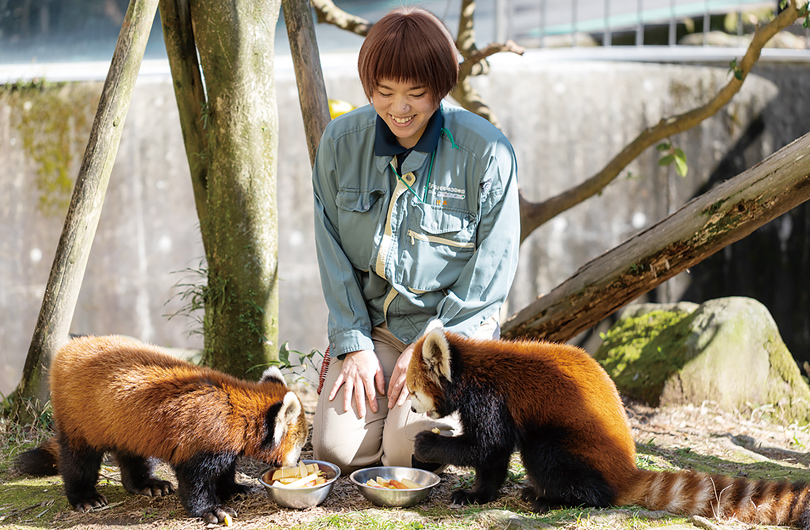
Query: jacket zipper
[(440, 240)]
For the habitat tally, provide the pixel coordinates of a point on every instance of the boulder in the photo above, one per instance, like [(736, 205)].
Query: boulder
[(727, 351)]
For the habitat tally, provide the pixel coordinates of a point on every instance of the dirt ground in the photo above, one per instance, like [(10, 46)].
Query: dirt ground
[(684, 437)]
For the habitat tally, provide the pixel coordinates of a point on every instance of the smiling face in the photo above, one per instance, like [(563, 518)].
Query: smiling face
[(405, 107)]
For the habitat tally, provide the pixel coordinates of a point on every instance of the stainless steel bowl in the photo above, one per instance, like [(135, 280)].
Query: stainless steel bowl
[(394, 498), (300, 498)]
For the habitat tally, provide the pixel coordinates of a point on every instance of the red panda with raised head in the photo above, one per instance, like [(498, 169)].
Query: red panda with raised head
[(135, 400), (558, 407)]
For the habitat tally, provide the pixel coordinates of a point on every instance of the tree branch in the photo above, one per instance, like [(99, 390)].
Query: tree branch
[(328, 12), (727, 213), (533, 215), (479, 57), (474, 60)]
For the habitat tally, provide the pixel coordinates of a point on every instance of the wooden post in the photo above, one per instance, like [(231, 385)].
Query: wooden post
[(189, 92), (67, 271), (308, 73), (706, 224)]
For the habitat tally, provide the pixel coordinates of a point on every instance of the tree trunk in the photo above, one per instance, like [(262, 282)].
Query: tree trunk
[(181, 49), (235, 43), (308, 73), (73, 249), (700, 228)]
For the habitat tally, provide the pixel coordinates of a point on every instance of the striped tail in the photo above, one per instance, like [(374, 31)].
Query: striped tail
[(719, 496), (42, 461)]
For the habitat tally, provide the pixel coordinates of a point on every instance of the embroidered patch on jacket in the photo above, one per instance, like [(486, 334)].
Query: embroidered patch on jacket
[(447, 192)]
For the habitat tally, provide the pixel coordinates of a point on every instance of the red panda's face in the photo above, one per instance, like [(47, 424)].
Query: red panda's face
[(426, 374), (290, 431), (421, 403), (289, 425)]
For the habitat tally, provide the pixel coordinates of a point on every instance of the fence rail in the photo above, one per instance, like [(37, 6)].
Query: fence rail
[(533, 23)]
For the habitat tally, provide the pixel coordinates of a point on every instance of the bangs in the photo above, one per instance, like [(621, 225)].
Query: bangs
[(409, 46)]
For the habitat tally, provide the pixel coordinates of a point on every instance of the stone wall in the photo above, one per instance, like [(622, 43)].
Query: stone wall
[(565, 119)]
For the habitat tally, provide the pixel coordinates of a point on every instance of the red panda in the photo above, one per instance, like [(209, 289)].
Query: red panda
[(135, 400), (560, 409)]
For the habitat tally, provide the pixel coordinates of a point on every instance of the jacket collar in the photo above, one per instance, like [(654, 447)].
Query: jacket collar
[(386, 144)]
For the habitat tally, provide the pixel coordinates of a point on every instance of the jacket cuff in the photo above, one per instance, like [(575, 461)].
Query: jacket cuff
[(345, 342)]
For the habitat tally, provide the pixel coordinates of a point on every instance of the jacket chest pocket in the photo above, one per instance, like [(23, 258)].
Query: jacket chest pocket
[(440, 242), (359, 215)]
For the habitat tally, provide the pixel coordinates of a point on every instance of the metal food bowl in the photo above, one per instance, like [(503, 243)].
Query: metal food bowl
[(390, 497), (300, 498)]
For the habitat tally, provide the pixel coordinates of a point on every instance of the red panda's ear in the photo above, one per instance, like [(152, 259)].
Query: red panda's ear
[(287, 416), (436, 355), (273, 374)]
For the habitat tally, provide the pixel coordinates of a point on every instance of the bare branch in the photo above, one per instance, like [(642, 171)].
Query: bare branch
[(465, 40), (535, 214), (475, 63), (706, 224), (471, 100), (328, 12), (479, 57)]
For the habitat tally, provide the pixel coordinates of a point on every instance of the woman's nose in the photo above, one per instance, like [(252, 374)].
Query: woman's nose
[(401, 105)]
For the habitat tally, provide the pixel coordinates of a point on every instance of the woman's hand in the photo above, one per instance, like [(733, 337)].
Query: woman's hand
[(361, 373), (397, 388)]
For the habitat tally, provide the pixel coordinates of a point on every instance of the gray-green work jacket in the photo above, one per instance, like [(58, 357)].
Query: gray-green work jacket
[(403, 250)]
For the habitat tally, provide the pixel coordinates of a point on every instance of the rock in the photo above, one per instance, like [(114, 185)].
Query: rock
[(727, 351)]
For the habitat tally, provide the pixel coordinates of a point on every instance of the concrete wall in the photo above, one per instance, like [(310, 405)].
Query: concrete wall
[(565, 119)]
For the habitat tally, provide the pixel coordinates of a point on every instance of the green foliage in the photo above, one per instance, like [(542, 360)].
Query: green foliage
[(191, 291), (670, 154), (735, 69), (16, 437), (299, 364)]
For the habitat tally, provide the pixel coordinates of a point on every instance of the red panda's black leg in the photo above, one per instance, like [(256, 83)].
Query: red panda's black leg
[(227, 486), (558, 477), (197, 482), (137, 478), (79, 469), (489, 458), (488, 479)]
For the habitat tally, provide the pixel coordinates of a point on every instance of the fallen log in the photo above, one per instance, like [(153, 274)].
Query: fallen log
[(706, 224)]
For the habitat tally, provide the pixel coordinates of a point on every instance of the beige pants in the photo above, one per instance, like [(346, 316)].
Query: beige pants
[(384, 437)]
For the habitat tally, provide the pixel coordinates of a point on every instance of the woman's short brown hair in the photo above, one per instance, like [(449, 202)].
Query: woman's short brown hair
[(409, 44)]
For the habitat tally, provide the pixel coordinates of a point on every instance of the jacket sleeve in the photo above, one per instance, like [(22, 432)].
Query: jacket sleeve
[(349, 326), (486, 279)]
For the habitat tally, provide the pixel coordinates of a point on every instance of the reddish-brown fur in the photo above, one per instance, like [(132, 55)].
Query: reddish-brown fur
[(562, 386), (117, 394)]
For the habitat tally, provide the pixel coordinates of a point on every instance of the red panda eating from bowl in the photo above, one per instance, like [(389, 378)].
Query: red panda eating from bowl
[(115, 394), (559, 408)]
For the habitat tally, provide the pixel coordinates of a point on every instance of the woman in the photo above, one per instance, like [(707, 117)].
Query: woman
[(416, 218)]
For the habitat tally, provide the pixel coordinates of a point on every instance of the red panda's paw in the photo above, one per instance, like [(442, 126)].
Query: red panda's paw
[(539, 504), (425, 446), (153, 487), (470, 497), (220, 514), (89, 501)]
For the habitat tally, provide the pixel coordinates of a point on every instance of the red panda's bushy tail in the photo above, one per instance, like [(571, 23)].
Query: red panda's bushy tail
[(41, 461), (719, 496)]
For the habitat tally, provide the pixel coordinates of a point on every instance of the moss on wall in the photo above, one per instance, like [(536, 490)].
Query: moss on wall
[(53, 121)]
